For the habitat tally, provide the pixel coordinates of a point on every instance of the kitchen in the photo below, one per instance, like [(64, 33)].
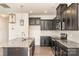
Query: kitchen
[(30, 26)]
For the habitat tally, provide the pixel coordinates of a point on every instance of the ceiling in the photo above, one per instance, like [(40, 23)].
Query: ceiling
[(32, 8)]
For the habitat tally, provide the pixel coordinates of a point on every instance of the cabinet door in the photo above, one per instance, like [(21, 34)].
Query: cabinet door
[(44, 41), (68, 19), (37, 21), (34, 21), (54, 22), (46, 24), (50, 25), (74, 16), (42, 25)]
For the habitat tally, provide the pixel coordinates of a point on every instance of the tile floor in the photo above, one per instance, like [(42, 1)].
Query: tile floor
[(43, 51)]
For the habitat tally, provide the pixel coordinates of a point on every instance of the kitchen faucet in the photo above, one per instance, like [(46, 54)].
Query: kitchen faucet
[(23, 36)]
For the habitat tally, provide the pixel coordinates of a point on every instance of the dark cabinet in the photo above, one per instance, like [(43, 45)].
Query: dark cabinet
[(70, 17), (34, 21), (74, 16), (45, 41), (21, 51), (48, 25), (42, 25), (58, 49), (52, 44), (62, 50), (17, 51), (60, 9)]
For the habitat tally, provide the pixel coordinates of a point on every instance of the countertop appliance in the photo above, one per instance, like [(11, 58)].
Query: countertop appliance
[(63, 36)]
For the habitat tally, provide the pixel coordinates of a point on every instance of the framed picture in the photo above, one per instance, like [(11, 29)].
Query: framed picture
[(22, 22)]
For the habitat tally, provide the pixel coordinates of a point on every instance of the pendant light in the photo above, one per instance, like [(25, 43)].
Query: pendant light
[(12, 18)]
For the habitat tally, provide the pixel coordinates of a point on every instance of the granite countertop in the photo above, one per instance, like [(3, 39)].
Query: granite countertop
[(18, 42), (67, 43)]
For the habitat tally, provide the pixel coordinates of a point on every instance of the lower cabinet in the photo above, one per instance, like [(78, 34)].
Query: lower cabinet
[(17, 51), (73, 52), (61, 50), (45, 41), (21, 51)]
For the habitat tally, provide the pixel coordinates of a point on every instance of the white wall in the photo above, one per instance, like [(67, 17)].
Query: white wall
[(3, 29), (18, 29), (35, 33)]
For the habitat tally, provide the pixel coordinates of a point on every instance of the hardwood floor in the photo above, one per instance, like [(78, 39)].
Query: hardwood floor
[(43, 51)]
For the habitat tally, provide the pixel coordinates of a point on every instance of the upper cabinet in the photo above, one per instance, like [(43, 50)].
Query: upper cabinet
[(71, 18), (34, 21), (60, 10), (68, 16), (60, 16), (47, 25), (66, 19), (74, 16), (50, 24)]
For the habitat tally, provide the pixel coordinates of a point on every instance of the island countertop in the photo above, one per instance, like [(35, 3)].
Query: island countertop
[(67, 43), (18, 42)]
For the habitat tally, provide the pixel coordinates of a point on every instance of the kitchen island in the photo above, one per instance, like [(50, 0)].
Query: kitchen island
[(18, 47)]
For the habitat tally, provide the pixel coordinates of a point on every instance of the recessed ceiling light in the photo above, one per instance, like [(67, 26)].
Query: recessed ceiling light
[(45, 11), (31, 11)]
